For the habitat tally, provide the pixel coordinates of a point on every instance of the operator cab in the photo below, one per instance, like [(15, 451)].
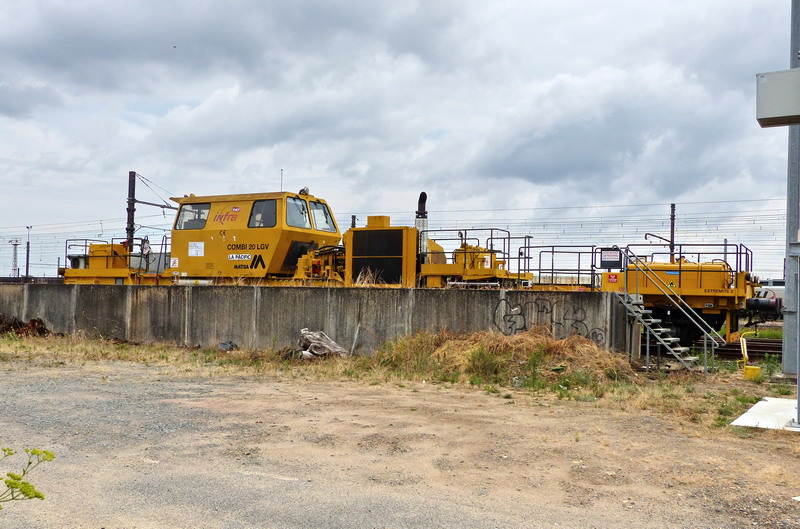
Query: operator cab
[(248, 235)]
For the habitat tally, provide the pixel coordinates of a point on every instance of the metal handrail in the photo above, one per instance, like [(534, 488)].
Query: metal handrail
[(738, 254), (497, 241), (582, 254), (84, 246)]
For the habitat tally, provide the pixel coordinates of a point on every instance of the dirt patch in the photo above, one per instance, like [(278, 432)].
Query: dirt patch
[(146, 447)]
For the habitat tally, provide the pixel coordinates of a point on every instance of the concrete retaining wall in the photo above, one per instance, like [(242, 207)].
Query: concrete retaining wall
[(263, 317)]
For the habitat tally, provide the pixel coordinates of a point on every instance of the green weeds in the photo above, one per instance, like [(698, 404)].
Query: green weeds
[(486, 366), (782, 389), (772, 333), (770, 365)]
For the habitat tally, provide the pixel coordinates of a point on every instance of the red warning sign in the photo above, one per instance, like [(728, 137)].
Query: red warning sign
[(612, 278)]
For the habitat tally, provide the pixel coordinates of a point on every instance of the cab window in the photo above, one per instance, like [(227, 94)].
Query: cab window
[(192, 216), (323, 220), (263, 214), (297, 213)]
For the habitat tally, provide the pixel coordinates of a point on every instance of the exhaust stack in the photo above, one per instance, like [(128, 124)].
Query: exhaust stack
[(421, 223)]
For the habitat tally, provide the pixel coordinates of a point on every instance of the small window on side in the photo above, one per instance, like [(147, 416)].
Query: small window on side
[(263, 214), (192, 216), (297, 213), (323, 220)]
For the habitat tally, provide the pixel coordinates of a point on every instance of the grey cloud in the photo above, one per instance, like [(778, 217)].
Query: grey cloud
[(720, 46), (129, 46), (235, 121), (18, 101), (662, 131)]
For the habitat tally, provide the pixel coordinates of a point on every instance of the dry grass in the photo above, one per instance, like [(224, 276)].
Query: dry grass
[(575, 352), (772, 473), (79, 350), (531, 363), (497, 358)]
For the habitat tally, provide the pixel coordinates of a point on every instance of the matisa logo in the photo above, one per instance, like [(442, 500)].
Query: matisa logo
[(229, 215)]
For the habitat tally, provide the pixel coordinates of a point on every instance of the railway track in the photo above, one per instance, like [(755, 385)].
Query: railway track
[(756, 349)]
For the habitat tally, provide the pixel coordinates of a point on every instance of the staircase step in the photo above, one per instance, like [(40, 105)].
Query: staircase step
[(690, 359), (669, 339), (650, 321), (679, 349)]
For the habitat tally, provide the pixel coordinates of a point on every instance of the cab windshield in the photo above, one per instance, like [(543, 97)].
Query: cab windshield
[(323, 220), (297, 213)]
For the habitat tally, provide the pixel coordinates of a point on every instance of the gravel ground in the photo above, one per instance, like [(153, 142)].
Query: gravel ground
[(144, 447)]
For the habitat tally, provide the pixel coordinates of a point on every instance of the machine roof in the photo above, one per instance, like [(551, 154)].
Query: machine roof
[(194, 199)]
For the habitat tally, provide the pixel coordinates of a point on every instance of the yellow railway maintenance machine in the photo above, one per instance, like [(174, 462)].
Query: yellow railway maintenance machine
[(290, 239), (217, 239), (714, 280)]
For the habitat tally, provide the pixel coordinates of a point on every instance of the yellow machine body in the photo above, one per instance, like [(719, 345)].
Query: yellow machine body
[(386, 255), (108, 264), (103, 256), (381, 254), (709, 286), (112, 276), (469, 264), (248, 236), (712, 288), (224, 238)]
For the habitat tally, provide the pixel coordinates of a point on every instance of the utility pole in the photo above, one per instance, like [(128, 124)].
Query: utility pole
[(791, 347), (14, 268), (28, 256), (672, 233), (790, 312), (129, 227), (783, 97)]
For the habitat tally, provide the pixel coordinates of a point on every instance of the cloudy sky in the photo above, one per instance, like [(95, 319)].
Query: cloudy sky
[(523, 114)]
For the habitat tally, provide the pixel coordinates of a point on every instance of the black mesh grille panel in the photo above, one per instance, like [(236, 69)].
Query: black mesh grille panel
[(378, 256)]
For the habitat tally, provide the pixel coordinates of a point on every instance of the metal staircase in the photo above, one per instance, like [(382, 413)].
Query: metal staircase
[(652, 328), (631, 299)]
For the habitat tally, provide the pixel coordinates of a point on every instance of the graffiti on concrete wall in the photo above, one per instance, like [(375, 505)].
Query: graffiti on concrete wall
[(562, 318)]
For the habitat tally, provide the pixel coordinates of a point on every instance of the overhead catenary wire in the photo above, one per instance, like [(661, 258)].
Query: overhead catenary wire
[(147, 181), (760, 229), (159, 196), (563, 207)]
